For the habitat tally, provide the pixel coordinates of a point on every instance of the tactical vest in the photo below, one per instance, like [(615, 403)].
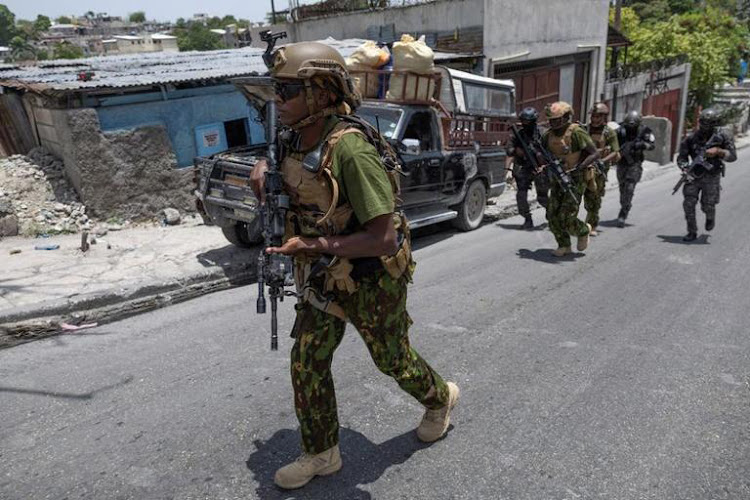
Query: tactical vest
[(317, 210), (560, 146)]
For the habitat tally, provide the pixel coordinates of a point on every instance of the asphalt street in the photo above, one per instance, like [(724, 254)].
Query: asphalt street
[(623, 373)]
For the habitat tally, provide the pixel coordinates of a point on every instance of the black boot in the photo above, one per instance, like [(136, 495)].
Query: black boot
[(528, 223), (710, 224), (621, 218), (690, 237)]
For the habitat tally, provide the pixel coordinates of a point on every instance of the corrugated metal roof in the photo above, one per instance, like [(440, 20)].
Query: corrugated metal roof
[(144, 69)]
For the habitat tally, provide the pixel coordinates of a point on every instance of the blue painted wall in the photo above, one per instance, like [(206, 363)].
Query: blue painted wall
[(181, 115)]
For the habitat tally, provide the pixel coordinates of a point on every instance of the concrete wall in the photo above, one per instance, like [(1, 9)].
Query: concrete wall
[(517, 31), (662, 129), (130, 174), (437, 16), (181, 116)]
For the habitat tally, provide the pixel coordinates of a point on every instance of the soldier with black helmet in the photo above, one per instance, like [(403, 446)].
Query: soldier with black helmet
[(605, 139), (572, 146), (522, 171), (634, 138), (342, 205), (702, 156)]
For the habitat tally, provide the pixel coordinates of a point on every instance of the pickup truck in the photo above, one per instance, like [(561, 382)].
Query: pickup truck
[(449, 140)]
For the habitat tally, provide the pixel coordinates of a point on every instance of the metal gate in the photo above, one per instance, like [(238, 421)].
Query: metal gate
[(666, 105)]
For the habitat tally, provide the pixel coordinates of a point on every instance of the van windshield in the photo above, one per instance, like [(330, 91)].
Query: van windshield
[(384, 120)]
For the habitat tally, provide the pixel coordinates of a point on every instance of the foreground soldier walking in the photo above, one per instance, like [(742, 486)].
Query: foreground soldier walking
[(634, 139), (342, 196), (701, 158), (570, 143), (605, 140), (523, 172)]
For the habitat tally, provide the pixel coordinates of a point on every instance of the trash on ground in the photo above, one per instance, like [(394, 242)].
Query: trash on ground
[(46, 247), (72, 328)]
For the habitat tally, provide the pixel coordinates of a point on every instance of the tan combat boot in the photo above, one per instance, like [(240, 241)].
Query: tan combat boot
[(561, 252), (593, 232), (435, 423), (301, 471), (583, 241)]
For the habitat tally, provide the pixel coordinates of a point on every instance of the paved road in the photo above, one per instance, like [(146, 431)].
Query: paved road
[(621, 374)]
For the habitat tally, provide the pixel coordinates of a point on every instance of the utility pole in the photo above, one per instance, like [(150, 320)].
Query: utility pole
[(615, 53), (273, 13)]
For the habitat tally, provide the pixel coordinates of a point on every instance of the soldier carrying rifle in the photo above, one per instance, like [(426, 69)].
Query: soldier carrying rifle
[(701, 158), (351, 250), (634, 138)]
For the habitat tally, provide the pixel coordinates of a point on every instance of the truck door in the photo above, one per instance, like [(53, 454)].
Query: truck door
[(423, 164)]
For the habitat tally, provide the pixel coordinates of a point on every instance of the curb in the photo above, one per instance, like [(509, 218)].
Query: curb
[(38, 323)]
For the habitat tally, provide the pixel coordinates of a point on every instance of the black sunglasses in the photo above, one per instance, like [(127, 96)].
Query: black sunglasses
[(287, 90)]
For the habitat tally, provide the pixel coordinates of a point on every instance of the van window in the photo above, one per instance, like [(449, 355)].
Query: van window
[(383, 120), (481, 97), (420, 128)]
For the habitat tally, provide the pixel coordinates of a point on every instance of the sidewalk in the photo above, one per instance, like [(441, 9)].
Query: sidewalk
[(139, 269)]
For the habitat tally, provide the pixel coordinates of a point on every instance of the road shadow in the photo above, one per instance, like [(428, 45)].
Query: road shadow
[(702, 239), (613, 223), (519, 227), (545, 255), (234, 261), (364, 462), (67, 395)]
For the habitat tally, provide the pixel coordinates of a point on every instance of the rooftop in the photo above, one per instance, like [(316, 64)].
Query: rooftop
[(148, 69)]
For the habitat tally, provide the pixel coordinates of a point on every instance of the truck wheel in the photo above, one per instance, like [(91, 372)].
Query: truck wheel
[(471, 210), (243, 234)]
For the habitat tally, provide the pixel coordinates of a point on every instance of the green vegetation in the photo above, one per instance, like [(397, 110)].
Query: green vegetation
[(67, 50), (198, 37), (63, 20), (7, 25), (137, 17), (713, 40)]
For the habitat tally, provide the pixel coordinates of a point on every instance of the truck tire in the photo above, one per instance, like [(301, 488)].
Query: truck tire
[(243, 234), (471, 209)]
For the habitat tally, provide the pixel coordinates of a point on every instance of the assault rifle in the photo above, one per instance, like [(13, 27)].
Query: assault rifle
[(553, 164), (699, 166), (274, 270)]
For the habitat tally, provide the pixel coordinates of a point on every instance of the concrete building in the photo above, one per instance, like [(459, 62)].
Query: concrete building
[(133, 44), (552, 50)]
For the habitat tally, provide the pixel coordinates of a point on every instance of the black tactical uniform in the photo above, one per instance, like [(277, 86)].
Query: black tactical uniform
[(523, 172), (634, 139), (704, 169)]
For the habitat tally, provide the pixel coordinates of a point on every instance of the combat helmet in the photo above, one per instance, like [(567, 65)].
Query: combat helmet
[(528, 115), (559, 114), (600, 108), (316, 64), (709, 119), (632, 120)]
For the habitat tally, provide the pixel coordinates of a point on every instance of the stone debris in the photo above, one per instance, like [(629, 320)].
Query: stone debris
[(36, 195), (171, 216)]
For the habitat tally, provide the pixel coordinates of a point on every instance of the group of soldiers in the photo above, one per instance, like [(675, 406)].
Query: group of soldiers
[(586, 153), (341, 184)]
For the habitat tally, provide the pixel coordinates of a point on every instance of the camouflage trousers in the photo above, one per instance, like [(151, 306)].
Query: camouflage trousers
[(708, 189), (592, 200), (627, 177), (378, 311), (562, 211), (525, 177)]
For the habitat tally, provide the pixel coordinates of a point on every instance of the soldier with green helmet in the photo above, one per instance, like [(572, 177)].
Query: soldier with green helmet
[(571, 144), (341, 179), (605, 139)]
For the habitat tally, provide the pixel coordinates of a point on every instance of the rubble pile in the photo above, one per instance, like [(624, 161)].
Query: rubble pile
[(36, 198)]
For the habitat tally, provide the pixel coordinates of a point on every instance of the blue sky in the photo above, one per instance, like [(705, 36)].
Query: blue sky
[(255, 10)]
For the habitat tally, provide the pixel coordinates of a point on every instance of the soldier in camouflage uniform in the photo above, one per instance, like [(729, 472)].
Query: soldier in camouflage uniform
[(571, 144), (523, 172), (711, 145), (634, 139), (342, 199), (605, 140)]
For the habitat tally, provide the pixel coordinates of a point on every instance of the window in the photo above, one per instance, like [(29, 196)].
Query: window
[(384, 120), (236, 131), (480, 97), (420, 128)]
